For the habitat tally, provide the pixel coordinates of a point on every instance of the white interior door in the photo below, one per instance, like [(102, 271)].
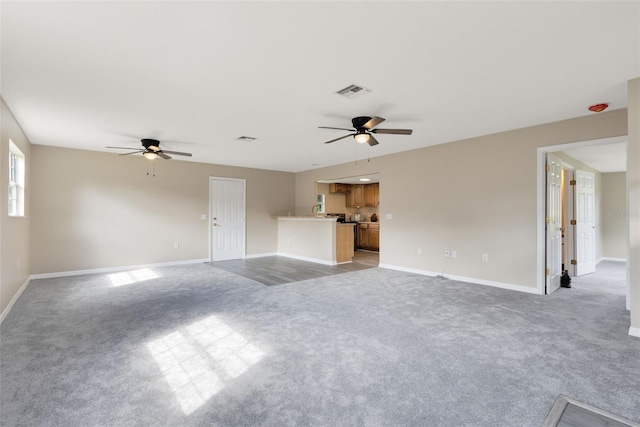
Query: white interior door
[(554, 223), (585, 223), (227, 216)]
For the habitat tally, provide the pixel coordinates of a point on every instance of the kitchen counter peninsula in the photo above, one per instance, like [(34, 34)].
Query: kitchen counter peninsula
[(316, 239)]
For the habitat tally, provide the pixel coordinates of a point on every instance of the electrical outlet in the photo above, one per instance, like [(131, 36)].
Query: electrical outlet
[(454, 254), (446, 254), (485, 257), (419, 251)]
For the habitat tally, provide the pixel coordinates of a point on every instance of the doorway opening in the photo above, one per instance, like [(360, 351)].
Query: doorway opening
[(356, 199), (572, 209)]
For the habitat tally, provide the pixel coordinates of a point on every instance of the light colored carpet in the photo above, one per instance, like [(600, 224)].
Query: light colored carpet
[(196, 345)]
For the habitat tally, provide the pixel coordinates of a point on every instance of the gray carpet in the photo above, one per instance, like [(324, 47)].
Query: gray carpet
[(198, 345)]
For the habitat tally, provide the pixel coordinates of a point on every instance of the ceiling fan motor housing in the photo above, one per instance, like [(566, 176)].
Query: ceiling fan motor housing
[(151, 144), (359, 122)]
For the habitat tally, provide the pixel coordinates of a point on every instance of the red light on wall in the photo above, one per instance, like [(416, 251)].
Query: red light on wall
[(598, 108)]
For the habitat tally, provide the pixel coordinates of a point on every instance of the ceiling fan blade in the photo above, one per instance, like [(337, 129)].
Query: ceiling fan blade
[(327, 127), (121, 148), (372, 141), (178, 153), (338, 139), (375, 121), (133, 152), (393, 131), (161, 154)]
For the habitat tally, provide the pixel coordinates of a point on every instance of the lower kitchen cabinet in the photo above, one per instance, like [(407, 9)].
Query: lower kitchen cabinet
[(369, 236)]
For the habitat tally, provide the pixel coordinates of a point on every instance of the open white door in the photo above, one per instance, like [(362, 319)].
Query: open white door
[(554, 223), (227, 216), (585, 223)]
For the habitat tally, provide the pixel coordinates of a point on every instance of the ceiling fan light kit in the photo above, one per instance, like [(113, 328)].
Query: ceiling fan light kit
[(361, 137), (364, 128)]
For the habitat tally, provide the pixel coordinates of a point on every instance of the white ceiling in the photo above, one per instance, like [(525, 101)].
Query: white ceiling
[(201, 74), (610, 157)]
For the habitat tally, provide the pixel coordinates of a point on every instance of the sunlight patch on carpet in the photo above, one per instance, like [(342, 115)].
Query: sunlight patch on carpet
[(135, 276), (200, 360)]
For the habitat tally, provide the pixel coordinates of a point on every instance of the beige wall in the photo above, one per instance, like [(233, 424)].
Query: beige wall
[(614, 215), (474, 196), (99, 210), (14, 231)]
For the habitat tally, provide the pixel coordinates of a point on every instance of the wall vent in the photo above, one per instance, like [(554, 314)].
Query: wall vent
[(353, 91), (246, 138)]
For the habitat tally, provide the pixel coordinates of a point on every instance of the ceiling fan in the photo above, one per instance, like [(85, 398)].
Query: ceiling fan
[(363, 128), (152, 150)]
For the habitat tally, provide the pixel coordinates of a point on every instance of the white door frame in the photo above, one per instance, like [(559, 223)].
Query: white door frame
[(210, 222), (541, 205)]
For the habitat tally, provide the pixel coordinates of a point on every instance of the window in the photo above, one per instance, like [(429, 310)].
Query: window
[(16, 180)]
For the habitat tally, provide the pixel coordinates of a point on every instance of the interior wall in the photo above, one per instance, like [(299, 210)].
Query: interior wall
[(614, 215), (476, 196), (14, 231), (98, 210)]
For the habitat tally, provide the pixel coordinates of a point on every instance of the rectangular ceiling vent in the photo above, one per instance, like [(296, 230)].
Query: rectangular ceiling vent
[(353, 91), (246, 138)]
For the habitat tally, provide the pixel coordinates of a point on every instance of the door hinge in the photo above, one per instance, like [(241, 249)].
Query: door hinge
[(573, 222), (548, 168), (547, 272), (574, 262), (572, 182), (547, 220)]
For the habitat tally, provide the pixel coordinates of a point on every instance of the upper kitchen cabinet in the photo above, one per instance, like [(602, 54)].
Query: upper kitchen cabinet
[(339, 188), (372, 194), (355, 199)]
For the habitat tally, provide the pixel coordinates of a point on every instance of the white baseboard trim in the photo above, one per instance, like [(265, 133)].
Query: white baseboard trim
[(116, 269), (304, 258), (509, 286), (606, 258), (634, 332), (8, 308), (261, 255)]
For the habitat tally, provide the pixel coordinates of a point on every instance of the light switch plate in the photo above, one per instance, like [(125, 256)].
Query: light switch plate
[(389, 216), (203, 217)]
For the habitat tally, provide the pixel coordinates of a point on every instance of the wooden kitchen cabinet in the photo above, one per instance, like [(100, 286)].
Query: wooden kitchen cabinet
[(339, 188), (355, 199), (363, 236), (369, 236), (373, 237), (372, 194)]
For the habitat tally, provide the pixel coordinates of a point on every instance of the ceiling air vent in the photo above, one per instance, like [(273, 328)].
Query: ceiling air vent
[(246, 138), (352, 91)]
